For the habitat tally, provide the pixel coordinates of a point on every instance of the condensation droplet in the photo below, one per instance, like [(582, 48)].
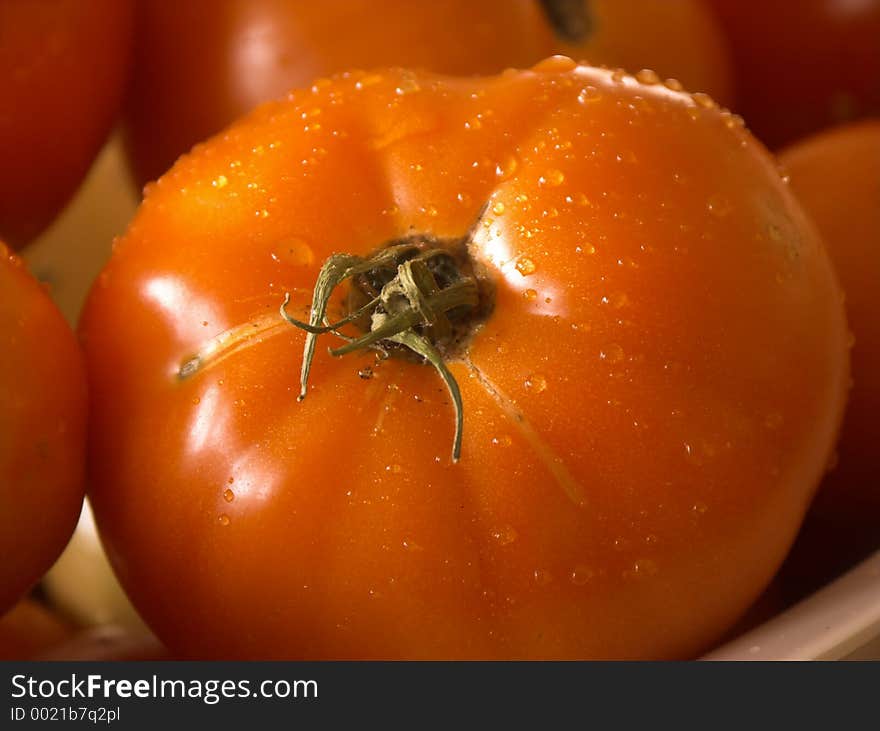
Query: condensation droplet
[(525, 266), (542, 577), (612, 353), (498, 208), (719, 206), (536, 383), (644, 567), (220, 181), (699, 508), (555, 64), (507, 167), (228, 495), (505, 535), (588, 95), (530, 295), (502, 441), (223, 519), (646, 76), (552, 178), (673, 85), (294, 251), (581, 575)]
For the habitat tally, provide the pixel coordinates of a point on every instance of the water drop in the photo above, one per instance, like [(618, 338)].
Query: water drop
[(588, 95), (228, 495), (530, 295), (525, 266), (505, 535), (646, 76), (498, 208), (220, 181), (612, 354), (673, 85), (542, 577), (581, 575), (295, 251), (555, 64), (536, 383), (223, 519), (552, 178), (507, 167)]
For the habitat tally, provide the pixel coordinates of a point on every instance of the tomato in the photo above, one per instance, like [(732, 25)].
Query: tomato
[(30, 628), (42, 430), (801, 67), (645, 331), (836, 175), (63, 66), (202, 63)]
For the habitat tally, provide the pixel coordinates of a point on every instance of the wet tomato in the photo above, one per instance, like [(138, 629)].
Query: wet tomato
[(63, 66), (645, 333), (203, 63), (42, 430), (801, 67), (836, 175)]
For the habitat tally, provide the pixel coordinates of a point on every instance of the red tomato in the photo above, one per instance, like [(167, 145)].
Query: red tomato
[(63, 66), (836, 175), (802, 66), (648, 338), (202, 63), (42, 430), (28, 629)]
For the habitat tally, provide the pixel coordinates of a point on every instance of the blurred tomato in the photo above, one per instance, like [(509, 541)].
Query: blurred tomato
[(202, 63), (29, 629), (42, 430), (652, 366), (63, 66), (836, 175), (802, 66)]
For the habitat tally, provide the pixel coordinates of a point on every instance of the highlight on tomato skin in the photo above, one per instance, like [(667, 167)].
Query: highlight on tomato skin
[(650, 347), (802, 67), (201, 64), (836, 176), (63, 69), (42, 430)]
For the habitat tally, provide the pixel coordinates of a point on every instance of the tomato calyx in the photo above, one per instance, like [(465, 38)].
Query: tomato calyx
[(416, 297), (571, 20)]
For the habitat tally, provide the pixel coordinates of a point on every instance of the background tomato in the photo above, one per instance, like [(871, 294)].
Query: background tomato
[(836, 175), (203, 63), (30, 628), (801, 67), (648, 407), (42, 430), (63, 65)]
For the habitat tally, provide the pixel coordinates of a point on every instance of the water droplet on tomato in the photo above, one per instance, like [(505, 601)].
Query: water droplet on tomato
[(719, 206), (223, 519), (530, 294), (228, 495), (581, 575), (542, 577), (536, 383), (220, 181), (673, 85), (648, 77), (699, 508), (525, 266), (498, 208), (588, 95), (295, 251), (612, 353), (644, 567), (555, 64), (507, 167), (552, 178), (505, 535)]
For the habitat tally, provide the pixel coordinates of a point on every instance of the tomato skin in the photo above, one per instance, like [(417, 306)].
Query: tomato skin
[(200, 65), (648, 409), (42, 430), (836, 175), (63, 67), (800, 68)]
